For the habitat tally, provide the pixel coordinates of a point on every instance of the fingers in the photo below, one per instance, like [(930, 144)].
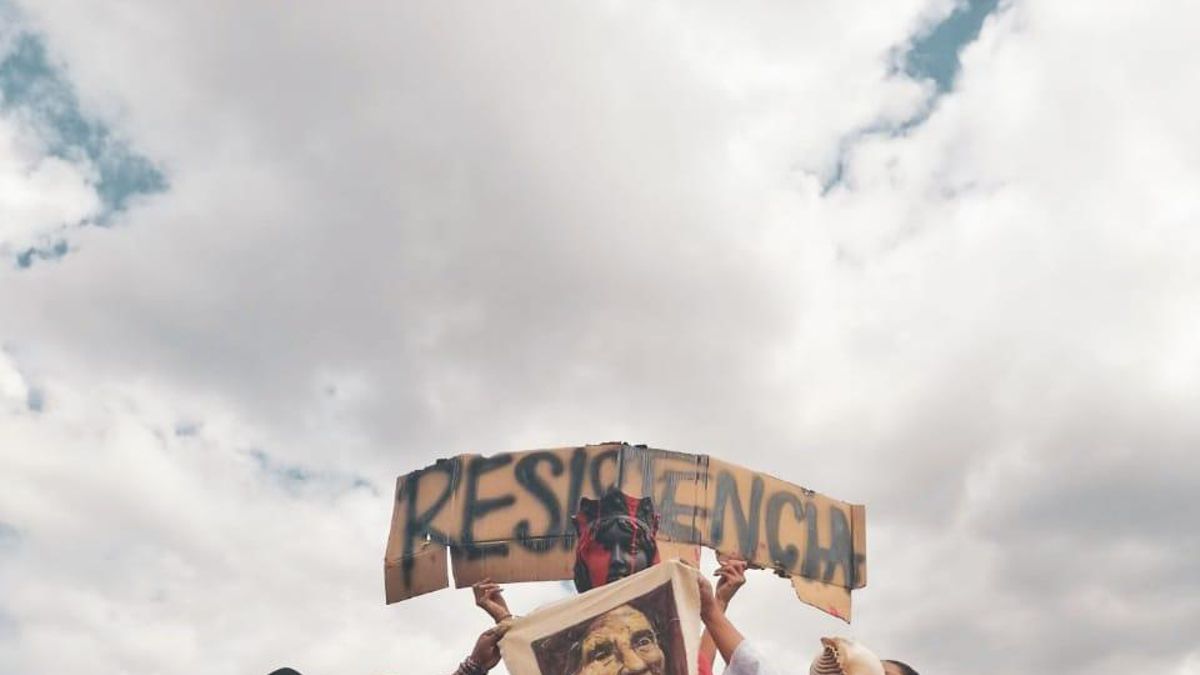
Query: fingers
[(486, 651), (728, 558), (731, 577), (486, 589), (731, 563), (731, 568), (732, 574)]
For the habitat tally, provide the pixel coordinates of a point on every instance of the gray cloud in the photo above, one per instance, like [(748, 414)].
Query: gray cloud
[(400, 232)]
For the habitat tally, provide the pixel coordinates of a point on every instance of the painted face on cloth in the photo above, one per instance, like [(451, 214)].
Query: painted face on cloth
[(621, 642), (615, 537)]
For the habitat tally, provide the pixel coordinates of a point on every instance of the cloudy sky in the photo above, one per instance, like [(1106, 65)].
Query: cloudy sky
[(259, 258)]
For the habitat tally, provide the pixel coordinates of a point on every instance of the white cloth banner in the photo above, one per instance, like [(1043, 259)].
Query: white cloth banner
[(650, 621)]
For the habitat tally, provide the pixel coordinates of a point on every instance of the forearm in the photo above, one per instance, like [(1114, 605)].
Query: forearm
[(708, 650), (722, 632)]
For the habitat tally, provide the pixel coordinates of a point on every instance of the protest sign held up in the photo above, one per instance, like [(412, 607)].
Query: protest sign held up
[(508, 517)]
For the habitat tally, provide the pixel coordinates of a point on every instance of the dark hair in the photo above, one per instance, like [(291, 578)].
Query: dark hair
[(905, 669)]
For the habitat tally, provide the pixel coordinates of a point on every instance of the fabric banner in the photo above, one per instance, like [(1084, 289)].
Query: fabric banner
[(645, 623)]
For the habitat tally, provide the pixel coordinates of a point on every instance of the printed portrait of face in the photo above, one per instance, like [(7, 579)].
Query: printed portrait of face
[(639, 636), (621, 642), (616, 538)]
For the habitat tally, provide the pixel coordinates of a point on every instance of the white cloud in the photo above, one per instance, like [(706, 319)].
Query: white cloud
[(13, 389), (149, 551), (398, 232), (40, 195)]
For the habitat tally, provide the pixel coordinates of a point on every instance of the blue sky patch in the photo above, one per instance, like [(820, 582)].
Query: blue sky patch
[(187, 428), (35, 400), (934, 54), (10, 538), (35, 89), (297, 479), (284, 473)]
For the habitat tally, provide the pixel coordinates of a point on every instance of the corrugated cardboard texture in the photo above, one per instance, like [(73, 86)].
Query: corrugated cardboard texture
[(427, 573), (519, 565), (834, 600), (508, 517)]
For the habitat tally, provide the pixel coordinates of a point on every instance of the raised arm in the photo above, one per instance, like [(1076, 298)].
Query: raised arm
[(486, 653), (731, 576), (724, 635), (489, 598)]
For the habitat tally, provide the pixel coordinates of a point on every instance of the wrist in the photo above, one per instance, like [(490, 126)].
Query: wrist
[(711, 613), (471, 667)]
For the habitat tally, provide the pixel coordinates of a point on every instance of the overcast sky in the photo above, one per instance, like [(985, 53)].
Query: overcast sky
[(259, 258)]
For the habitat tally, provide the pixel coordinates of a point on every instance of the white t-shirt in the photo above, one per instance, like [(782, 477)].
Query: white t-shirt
[(747, 661)]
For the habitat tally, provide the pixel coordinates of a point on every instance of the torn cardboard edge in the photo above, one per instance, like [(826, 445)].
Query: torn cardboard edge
[(508, 517)]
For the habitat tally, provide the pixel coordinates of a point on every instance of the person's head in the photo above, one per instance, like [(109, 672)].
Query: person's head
[(616, 537), (622, 641), (891, 667)]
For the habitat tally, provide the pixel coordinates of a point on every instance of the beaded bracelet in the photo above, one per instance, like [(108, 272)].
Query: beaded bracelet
[(470, 667)]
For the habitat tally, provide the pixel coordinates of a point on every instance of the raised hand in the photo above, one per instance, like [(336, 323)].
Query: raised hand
[(489, 598), (718, 630), (731, 576), (486, 653)]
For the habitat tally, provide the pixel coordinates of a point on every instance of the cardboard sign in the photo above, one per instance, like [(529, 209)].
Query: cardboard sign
[(647, 623), (508, 517)]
